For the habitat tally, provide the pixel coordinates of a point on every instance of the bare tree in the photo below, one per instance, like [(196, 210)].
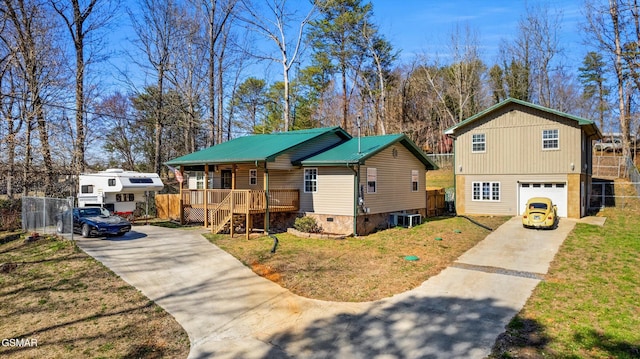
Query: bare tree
[(611, 27), (30, 35), (9, 110), (157, 31), (82, 19), (215, 14), (189, 78), (275, 28), (457, 85)]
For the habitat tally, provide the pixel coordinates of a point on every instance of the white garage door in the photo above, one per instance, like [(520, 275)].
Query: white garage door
[(556, 191)]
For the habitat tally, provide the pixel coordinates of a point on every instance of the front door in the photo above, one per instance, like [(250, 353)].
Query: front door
[(226, 179)]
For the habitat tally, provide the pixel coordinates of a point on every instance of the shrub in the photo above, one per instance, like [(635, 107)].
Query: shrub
[(10, 214), (307, 224)]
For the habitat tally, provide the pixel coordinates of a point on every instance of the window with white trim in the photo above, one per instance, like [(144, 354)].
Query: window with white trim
[(310, 180), (86, 188), (550, 139), (478, 142), (486, 191), (414, 180), (372, 180), (199, 180), (253, 177)]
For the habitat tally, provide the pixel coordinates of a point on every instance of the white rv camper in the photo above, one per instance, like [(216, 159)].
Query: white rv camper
[(116, 190)]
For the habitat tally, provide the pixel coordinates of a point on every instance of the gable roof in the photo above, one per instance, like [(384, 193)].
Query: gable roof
[(588, 126), (357, 151), (248, 149)]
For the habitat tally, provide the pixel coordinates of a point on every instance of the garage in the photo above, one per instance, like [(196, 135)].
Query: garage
[(556, 191)]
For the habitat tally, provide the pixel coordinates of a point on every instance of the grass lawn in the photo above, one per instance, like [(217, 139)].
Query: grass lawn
[(589, 305), (363, 268), (74, 307), (442, 178)]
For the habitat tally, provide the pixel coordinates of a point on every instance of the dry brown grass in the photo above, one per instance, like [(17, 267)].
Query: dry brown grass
[(363, 268), (441, 178), (76, 308)]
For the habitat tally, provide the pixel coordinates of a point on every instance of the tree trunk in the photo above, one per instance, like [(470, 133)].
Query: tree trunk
[(624, 119)]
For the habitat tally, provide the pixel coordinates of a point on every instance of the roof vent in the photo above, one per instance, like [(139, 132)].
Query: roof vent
[(114, 170)]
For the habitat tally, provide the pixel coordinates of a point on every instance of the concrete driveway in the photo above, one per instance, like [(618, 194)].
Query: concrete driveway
[(229, 312)]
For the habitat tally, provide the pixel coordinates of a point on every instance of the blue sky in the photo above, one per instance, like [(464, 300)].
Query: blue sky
[(424, 26), (419, 27)]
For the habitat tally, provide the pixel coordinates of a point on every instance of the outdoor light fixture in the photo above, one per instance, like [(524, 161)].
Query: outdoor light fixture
[(572, 166), (460, 168)]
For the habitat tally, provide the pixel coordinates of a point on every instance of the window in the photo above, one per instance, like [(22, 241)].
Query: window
[(112, 182), (199, 180), (486, 191), (227, 178), (140, 180), (310, 180), (414, 180), (550, 140), (253, 177), (478, 143), (372, 180), (86, 188)]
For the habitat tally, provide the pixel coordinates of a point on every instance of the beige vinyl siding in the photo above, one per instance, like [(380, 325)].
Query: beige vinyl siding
[(508, 203), (514, 144), (334, 195), (394, 187), (291, 179), (284, 160), (242, 177)]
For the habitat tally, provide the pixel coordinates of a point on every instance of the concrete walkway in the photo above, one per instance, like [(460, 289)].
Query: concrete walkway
[(229, 312)]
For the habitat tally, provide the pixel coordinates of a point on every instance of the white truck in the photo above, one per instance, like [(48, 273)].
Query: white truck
[(116, 190)]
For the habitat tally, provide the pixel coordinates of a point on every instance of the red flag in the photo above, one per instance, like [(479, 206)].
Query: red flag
[(177, 173)]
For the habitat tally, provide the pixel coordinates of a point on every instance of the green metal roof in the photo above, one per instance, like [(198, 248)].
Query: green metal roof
[(347, 152), (588, 126), (265, 147)]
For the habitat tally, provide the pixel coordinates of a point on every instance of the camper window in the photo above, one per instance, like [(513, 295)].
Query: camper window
[(141, 180), (125, 197), (112, 182), (86, 188)]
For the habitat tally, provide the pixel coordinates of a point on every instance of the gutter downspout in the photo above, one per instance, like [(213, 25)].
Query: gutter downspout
[(455, 180), (266, 196), (356, 182)]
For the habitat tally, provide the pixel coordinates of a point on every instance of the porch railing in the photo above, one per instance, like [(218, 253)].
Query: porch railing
[(254, 199)]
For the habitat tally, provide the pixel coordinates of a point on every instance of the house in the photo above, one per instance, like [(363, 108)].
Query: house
[(349, 185), (515, 150), (116, 190)]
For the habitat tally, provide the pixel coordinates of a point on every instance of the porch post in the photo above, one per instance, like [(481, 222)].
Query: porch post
[(233, 200), (249, 223), (233, 176), (181, 202), (266, 199), (206, 195)]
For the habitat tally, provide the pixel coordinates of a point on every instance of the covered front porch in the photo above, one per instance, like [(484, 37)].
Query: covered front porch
[(218, 208)]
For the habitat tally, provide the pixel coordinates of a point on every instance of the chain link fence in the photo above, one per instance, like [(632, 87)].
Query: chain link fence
[(48, 215), (633, 174)]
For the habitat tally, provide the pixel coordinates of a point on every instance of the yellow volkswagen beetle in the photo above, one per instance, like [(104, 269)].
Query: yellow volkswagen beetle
[(540, 213)]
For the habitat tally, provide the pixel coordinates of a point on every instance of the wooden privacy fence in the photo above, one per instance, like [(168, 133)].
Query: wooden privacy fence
[(435, 202), (168, 206)]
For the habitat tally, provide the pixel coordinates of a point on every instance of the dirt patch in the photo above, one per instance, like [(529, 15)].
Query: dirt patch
[(266, 272), (70, 306), (359, 269)]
